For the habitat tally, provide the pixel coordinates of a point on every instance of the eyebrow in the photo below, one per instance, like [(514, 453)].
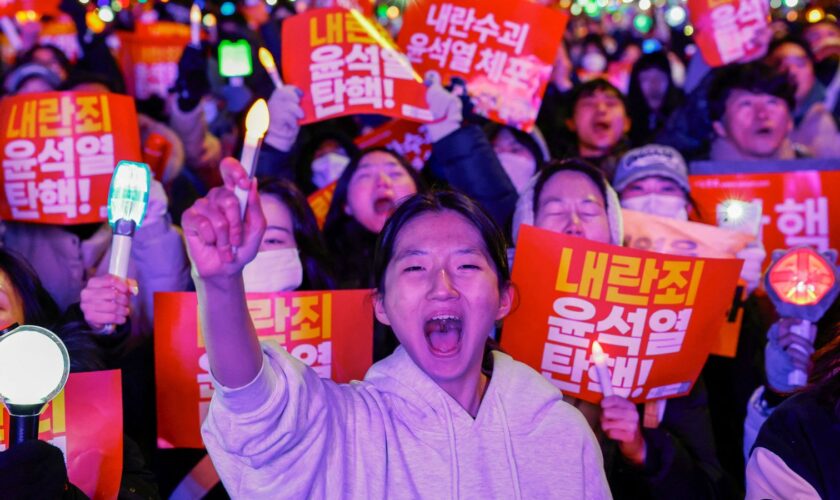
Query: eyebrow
[(279, 228), (416, 252)]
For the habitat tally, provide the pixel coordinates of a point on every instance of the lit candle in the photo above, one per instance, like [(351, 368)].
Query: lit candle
[(195, 26), (268, 63), (600, 358), (256, 124), (210, 24)]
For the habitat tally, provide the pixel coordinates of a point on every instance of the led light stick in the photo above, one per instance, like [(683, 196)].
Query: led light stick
[(600, 358), (802, 284), (267, 60), (195, 25), (34, 367), (256, 124), (128, 197)]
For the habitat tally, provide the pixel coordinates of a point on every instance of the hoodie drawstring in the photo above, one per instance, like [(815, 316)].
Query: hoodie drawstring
[(514, 471), (453, 456)]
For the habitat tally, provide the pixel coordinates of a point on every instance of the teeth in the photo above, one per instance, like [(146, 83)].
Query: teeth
[(445, 317)]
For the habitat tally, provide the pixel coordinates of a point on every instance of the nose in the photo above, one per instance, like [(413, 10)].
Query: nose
[(574, 227), (442, 287), (761, 110), (383, 180)]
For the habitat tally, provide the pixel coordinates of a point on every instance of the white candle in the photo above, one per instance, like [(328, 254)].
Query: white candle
[(195, 26), (256, 124), (268, 63), (600, 358)]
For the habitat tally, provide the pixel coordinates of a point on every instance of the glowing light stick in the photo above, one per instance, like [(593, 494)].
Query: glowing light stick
[(256, 124), (600, 358), (267, 60), (802, 284), (128, 197), (195, 25), (34, 367)]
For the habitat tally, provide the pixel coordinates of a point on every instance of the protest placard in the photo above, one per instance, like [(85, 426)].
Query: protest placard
[(149, 57), (320, 201), (503, 51), (347, 64), (409, 139), (59, 151), (85, 422), (332, 332), (726, 30), (655, 315)]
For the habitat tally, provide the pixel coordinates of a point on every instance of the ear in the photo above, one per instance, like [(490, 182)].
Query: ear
[(570, 124), (627, 123), (379, 309), (505, 301), (719, 129)]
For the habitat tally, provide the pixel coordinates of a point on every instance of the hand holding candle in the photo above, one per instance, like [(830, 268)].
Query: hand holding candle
[(267, 60), (600, 358), (195, 26), (256, 124)]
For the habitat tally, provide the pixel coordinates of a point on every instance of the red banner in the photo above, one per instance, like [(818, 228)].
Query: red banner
[(85, 422), (320, 201), (332, 332), (725, 30), (347, 64), (149, 57), (406, 138), (59, 151), (651, 313), (43, 7), (798, 209), (504, 51)]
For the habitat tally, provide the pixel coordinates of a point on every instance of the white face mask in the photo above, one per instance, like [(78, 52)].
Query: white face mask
[(663, 205), (274, 271), (519, 168), (328, 168), (594, 62)]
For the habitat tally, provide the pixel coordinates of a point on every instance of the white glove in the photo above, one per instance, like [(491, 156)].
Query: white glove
[(284, 111), (445, 107), (753, 257)]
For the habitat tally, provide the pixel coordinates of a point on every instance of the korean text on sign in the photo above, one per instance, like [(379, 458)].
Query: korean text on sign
[(727, 30), (648, 311), (330, 332), (409, 139), (350, 65), (503, 50), (58, 153)]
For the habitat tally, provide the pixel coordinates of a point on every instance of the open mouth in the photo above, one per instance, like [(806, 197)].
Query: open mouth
[(601, 127), (384, 205), (764, 131), (443, 334)]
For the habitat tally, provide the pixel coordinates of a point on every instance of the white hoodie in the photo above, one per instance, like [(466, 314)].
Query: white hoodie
[(397, 434)]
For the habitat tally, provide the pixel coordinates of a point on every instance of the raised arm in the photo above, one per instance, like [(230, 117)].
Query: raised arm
[(219, 244)]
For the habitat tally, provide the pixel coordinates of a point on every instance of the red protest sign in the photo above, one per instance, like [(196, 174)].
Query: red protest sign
[(332, 332), (797, 207), (504, 51), (347, 64), (320, 201), (651, 313), (59, 151), (726, 30), (85, 422), (149, 57), (409, 139), (43, 7)]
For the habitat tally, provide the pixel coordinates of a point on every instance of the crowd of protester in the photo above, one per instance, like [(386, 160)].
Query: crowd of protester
[(600, 145)]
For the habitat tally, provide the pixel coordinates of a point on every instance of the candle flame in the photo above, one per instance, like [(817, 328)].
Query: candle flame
[(596, 348), (195, 14), (209, 20), (256, 122), (267, 60)]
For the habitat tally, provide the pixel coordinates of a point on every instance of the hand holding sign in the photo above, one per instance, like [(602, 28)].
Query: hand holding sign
[(213, 226)]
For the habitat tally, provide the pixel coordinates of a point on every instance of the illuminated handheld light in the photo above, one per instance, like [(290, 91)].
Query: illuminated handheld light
[(235, 58), (267, 61), (34, 367), (209, 20), (815, 15), (791, 3), (802, 284), (106, 14), (600, 358), (643, 23), (227, 9), (195, 25), (128, 198), (256, 124)]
